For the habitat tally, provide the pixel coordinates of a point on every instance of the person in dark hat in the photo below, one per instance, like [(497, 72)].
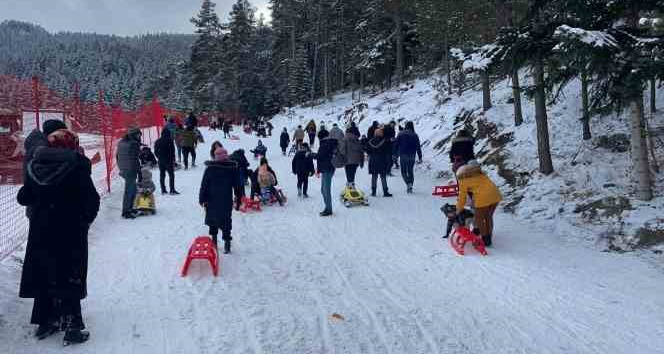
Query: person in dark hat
[(33, 141), (129, 165), (64, 203)]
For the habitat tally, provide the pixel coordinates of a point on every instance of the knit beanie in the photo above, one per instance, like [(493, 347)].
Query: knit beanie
[(52, 125), (220, 154)]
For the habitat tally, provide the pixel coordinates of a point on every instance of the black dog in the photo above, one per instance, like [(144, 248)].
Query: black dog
[(450, 212)]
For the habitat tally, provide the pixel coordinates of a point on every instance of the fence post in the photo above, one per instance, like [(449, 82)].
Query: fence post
[(36, 99), (108, 141)]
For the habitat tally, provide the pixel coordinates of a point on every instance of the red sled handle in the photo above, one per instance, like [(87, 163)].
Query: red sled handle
[(446, 191)]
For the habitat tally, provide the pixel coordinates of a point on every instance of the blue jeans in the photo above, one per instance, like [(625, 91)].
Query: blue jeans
[(326, 189), (129, 190), (407, 167)]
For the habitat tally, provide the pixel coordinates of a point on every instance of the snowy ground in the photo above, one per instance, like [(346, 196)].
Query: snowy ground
[(398, 286)]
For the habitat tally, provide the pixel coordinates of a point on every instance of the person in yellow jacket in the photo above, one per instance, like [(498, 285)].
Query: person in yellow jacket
[(485, 196)]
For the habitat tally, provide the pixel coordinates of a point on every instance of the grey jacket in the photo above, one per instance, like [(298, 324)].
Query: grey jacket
[(127, 155), (351, 147), (337, 134)]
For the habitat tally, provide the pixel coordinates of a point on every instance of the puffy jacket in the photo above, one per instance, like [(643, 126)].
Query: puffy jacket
[(299, 134), (472, 180), (164, 149), (326, 151), (352, 148), (145, 183), (408, 143), (284, 139), (303, 163), (239, 157), (220, 182), (266, 178), (127, 155), (380, 156), (336, 133), (188, 138)]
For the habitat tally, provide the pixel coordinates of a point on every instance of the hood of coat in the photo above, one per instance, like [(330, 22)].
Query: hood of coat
[(468, 170), (166, 133), (35, 139), (227, 164), (376, 142), (51, 165)]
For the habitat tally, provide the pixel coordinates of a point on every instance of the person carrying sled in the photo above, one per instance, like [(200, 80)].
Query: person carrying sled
[(380, 161), (352, 149), (408, 146), (462, 149), (267, 180), (303, 168), (260, 150), (485, 196), (284, 139), (219, 183), (164, 148), (64, 203), (311, 131)]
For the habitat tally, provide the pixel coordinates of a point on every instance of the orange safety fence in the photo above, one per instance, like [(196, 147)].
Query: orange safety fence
[(25, 105)]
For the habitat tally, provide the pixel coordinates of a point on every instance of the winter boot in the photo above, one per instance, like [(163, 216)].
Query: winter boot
[(46, 330), (227, 247), (128, 215), (76, 336), (174, 192), (387, 194), (164, 192), (299, 192), (487, 240), (409, 188), (373, 192), (325, 213)]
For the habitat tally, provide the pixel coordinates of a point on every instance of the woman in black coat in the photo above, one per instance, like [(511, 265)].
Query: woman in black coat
[(64, 203), (303, 167), (380, 161), (284, 139), (220, 181)]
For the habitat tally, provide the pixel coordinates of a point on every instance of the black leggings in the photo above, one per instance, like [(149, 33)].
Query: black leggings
[(186, 150), (351, 170), (225, 234), (162, 177), (303, 182)]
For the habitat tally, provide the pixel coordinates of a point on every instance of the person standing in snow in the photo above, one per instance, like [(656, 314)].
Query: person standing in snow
[(191, 121), (303, 168), (407, 146), (284, 139), (189, 141), (129, 166), (226, 127), (298, 136), (215, 145), (380, 160), (462, 150), (352, 149), (326, 151), (177, 138), (164, 148), (485, 196), (389, 132), (243, 168), (64, 203), (219, 183), (354, 129), (372, 129), (336, 133), (311, 131)]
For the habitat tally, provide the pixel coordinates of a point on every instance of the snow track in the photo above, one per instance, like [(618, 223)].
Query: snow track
[(383, 268)]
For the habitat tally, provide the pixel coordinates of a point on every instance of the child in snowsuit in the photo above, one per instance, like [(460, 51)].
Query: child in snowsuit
[(145, 188), (259, 150), (267, 180), (216, 195), (303, 168), (147, 157), (485, 195)]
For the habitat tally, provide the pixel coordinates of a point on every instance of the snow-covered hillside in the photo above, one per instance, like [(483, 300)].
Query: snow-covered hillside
[(372, 280), (588, 197)]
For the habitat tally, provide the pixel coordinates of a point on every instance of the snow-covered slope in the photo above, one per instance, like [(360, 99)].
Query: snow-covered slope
[(588, 197), (395, 286)]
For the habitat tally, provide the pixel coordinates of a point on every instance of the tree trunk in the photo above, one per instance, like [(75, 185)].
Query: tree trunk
[(586, 107), (653, 95), (400, 51), (639, 146), (448, 65), (516, 92), (316, 51), (543, 149), (325, 73), (486, 90)]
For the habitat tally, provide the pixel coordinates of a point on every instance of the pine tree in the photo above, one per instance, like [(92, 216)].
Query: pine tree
[(205, 57)]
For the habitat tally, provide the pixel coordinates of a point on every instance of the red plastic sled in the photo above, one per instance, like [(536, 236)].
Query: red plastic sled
[(462, 235), (446, 191), (248, 204), (202, 248)]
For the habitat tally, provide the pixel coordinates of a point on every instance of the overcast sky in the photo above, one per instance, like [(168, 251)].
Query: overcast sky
[(121, 17)]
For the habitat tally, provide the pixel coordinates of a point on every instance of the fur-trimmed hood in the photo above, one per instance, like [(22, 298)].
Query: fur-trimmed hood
[(470, 169)]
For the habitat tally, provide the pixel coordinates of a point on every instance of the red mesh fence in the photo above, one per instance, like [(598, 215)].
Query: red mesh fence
[(25, 105)]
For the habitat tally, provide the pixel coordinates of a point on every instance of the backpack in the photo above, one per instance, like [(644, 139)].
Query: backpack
[(338, 158)]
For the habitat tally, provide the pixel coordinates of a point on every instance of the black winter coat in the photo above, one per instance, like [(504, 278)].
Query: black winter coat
[(127, 154), (326, 151), (64, 203), (32, 142), (242, 162), (303, 163), (284, 139), (217, 189), (164, 148), (380, 156)]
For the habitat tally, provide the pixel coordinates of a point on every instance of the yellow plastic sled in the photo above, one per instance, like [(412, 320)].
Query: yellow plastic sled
[(145, 204), (352, 196)]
